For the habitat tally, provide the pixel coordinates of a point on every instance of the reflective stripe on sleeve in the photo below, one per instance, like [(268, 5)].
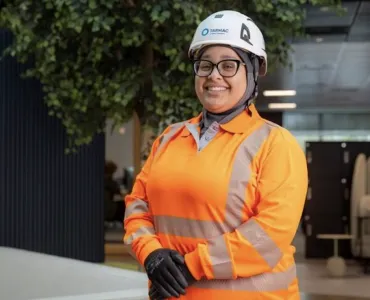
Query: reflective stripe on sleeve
[(136, 207), (261, 241), (266, 282), (139, 233)]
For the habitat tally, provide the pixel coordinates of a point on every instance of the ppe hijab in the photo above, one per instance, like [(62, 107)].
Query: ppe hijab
[(208, 117)]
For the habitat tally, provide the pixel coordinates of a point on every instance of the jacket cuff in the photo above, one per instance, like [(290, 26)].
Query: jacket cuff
[(194, 264), (147, 248)]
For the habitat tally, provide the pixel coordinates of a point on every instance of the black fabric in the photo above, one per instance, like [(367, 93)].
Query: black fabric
[(161, 268)]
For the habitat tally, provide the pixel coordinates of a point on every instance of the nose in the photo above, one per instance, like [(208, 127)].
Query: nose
[(215, 74)]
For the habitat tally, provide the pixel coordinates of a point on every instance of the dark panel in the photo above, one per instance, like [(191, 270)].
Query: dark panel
[(49, 202), (324, 162), (326, 198), (327, 208), (276, 117)]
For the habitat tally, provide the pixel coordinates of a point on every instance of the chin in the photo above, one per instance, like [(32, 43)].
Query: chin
[(213, 104), (214, 108)]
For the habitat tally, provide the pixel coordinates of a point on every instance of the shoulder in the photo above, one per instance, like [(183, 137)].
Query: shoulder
[(175, 127), (277, 134), (278, 140), (171, 130)]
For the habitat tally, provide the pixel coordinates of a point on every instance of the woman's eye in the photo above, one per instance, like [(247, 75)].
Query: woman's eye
[(204, 67)]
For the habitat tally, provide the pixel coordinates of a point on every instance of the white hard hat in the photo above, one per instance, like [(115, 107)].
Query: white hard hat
[(231, 28)]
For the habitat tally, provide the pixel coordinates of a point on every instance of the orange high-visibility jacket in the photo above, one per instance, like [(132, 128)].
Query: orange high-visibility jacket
[(230, 202)]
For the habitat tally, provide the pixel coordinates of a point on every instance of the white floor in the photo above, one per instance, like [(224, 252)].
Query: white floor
[(314, 279)]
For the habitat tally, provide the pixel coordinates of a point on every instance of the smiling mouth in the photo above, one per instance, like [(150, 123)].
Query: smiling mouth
[(216, 88)]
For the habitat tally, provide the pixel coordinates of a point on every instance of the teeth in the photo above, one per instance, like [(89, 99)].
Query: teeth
[(216, 88)]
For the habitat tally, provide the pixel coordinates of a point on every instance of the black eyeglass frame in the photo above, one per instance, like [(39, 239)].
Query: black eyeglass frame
[(238, 62)]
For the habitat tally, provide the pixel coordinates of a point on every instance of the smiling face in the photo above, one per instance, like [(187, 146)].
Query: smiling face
[(216, 93)]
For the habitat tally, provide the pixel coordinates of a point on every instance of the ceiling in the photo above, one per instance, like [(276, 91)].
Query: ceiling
[(331, 68)]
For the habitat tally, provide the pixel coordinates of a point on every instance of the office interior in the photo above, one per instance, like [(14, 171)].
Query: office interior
[(323, 99)]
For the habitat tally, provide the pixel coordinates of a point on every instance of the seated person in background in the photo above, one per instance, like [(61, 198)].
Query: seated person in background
[(113, 210)]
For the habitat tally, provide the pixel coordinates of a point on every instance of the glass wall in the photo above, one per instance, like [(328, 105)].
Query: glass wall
[(328, 126), (330, 135)]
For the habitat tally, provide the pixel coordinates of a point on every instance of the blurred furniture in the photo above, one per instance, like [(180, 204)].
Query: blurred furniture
[(327, 209), (363, 260), (336, 264)]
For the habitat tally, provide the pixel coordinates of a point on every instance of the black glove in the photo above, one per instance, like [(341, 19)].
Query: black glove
[(186, 272), (155, 294), (162, 270)]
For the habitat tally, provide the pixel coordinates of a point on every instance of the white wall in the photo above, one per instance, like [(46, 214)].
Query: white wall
[(119, 146)]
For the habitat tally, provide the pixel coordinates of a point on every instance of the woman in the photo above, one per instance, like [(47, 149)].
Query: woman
[(216, 206)]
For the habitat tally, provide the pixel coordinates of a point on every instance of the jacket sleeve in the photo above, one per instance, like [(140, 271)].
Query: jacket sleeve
[(257, 245), (139, 228)]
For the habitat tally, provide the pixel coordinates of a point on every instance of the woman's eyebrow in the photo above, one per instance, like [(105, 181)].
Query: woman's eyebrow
[(207, 56)]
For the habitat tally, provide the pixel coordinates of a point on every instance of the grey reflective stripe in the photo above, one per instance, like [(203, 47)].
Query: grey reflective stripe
[(188, 228), (266, 282), (193, 129), (220, 258), (260, 240), (241, 174), (139, 233), (136, 207), (167, 136)]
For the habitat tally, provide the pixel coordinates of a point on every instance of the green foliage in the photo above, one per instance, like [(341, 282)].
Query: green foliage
[(100, 59)]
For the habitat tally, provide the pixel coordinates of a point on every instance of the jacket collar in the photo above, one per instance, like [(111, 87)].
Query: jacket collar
[(239, 124), (242, 122)]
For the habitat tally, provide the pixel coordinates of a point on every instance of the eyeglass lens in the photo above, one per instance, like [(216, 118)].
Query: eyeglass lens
[(226, 68)]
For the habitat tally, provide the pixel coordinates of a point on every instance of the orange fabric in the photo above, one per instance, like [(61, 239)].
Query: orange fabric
[(188, 191), (146, 244)]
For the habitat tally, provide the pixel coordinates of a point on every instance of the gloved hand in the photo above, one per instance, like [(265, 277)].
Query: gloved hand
[(162, 270), (155, 294)]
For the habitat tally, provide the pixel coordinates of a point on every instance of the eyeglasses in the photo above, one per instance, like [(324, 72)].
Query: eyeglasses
[(226, 68)]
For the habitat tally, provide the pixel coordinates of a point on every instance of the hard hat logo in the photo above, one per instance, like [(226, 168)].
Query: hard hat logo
[(245, 34), (205, 31), (214, 31)]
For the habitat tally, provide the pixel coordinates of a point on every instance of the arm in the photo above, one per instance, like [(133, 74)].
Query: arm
[(139, 227), (159, 263), (257, 245)]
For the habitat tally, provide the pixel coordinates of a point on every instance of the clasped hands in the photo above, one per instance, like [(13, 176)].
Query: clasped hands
[(167, 271)]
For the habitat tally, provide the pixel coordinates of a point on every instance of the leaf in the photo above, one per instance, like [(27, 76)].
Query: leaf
[(101, 60)]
